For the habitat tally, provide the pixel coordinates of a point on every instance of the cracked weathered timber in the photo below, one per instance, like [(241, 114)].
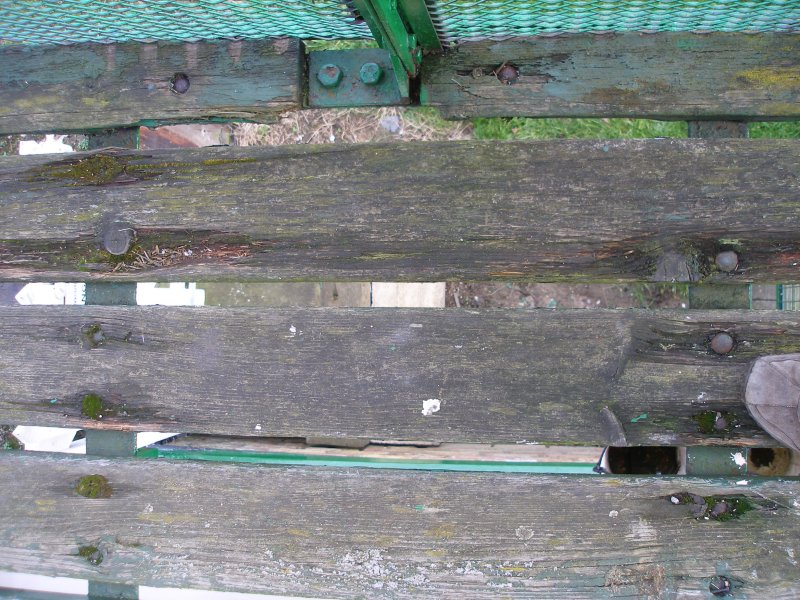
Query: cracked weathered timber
[(657, 76), (345, 533), (513, 376), (524, 211), (87, 87)]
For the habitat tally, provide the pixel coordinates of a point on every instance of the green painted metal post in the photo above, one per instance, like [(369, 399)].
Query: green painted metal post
[(112, 591)]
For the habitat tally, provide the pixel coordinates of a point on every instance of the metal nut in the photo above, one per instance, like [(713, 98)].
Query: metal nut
[(722, 343), (507, 74), (329, 75), (727, 261), (370, 73), (179, 83), (118, 238)]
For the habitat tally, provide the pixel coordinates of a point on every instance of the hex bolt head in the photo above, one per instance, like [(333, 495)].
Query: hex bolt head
[(720, 586), (727, 261), (370, 73), (722, 343), (118, 238), (179, 83), (329, 75), (507, 74)]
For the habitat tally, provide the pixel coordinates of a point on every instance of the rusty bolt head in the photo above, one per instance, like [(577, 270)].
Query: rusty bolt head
[(507, 74), (179, 83), (118, 238), (720, 586), (727, 261), (370, 73), (329, 75), (722, 343)]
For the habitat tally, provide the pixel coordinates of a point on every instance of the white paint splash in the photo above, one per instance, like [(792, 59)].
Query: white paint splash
[(742, 482), (258, 427), (430, 406), (613, 514), (739, 459), (701, 397)]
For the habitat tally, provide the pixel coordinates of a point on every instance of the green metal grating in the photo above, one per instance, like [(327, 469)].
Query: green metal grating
[(40, 22), (457, 20)]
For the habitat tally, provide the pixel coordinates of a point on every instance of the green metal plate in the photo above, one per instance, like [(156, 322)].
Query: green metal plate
[(351, 89)]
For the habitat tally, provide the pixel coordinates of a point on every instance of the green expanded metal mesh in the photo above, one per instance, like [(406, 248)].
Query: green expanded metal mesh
[(73, 21), (458, 20), (41, 22)]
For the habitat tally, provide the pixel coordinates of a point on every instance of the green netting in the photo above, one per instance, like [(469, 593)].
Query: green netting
[(457, 20), (73, 21)]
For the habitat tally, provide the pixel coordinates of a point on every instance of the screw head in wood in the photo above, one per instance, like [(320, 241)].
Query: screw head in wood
[(727, 261), (179, 83), (507, 74), (722, 343), (329, 75), (118, 238), (720, 585), (370, 73)]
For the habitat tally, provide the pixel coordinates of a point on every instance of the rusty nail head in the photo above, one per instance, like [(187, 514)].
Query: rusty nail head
[(118, 238), (720, 585), (329, 75), (722, 343), (370, 73), (507, 74), (179, 83), (727, 261)]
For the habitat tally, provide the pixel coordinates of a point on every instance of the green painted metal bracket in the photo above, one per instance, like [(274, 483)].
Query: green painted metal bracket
[(390, 31), (419, 20), (345, 78), (403, 28)]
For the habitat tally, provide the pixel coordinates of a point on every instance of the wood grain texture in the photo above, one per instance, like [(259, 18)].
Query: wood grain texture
[(95, 86), (515, 376), (657, 76), (542, 211), (345, 533)]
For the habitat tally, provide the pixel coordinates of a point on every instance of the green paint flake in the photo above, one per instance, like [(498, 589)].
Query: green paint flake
[(641, 417), (94, 486), (419, 507), (92, 406)]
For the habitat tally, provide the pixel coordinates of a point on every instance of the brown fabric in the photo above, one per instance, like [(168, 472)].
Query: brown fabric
[(772, 396)]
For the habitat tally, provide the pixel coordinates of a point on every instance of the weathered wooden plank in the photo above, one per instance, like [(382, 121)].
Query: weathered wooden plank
[(513, 376), (343, 533), (618, 210), (96, 86), (659, 76)]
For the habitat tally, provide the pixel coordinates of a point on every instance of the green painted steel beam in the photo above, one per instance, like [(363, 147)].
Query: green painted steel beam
[(279, 458), (390, 31), (716, 460), (419, 20)]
